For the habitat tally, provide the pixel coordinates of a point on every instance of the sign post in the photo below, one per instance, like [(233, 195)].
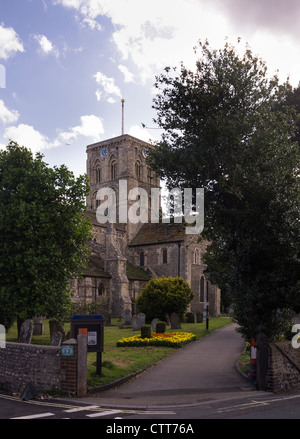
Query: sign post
[(92, 326)]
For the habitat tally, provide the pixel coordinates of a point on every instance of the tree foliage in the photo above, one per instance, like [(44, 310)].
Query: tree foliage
[(229, 128), (43, 234), (161, 297)]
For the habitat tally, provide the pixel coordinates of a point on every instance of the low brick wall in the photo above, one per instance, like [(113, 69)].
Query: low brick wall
[(284, 367)]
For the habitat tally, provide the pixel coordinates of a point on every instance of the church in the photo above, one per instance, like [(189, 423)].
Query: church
[(126, 254)]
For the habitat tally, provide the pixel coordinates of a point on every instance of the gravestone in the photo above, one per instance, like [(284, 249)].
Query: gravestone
[(175, 321), (56, 339), (153, 324), (107, 318), (26, 332), (38, 327), (127, 317), (199, 317), (142, 318), (136, 323), (56, 326)]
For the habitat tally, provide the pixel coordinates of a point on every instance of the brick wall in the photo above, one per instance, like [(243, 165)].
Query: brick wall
[(284, 367)]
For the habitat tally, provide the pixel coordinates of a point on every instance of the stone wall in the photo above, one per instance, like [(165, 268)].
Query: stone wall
[(21, 363), (284, 367), (44, 366)]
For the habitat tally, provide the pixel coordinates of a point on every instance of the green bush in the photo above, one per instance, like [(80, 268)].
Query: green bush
[(161, 327), (146, 331), (164, 296)]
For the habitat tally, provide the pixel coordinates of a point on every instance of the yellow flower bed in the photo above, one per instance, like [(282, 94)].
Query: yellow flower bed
[(172, 339)]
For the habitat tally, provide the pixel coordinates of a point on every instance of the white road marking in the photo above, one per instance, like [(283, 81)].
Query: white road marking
[(40, 415), (79, 409), (106, 413)]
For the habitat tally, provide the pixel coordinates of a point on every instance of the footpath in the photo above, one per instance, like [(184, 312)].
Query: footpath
[(201, 371)]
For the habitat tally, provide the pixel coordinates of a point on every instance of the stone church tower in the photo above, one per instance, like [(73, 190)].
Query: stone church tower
[(126, 254), (119, 159)]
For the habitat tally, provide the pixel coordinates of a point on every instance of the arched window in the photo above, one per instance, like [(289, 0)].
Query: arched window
[(98, 174), (165, 256), (113, 170), (142, 259), (202, 287), (196, 256), (138, 169)]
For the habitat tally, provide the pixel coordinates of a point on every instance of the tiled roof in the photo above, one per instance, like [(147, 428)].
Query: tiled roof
[(159, 233), (95, 267)]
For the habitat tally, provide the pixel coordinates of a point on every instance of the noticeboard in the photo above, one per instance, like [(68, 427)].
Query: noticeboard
[(90, 325)]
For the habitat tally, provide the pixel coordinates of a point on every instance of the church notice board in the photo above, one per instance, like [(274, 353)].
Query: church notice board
[(90, 325)]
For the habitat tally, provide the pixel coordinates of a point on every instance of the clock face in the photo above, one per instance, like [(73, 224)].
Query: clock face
[(103, 152), (144, 152)]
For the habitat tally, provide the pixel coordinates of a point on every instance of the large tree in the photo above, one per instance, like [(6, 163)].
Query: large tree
[(43, 234), (228, 128)]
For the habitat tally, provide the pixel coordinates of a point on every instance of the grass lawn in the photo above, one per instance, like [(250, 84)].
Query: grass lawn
[(117, 362)]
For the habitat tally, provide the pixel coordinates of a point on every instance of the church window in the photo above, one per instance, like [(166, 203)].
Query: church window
[(101, 290), (98, 175), (202, 286), (142, 259), (113, 170), (196, 257), (165, 256), (138, 170)]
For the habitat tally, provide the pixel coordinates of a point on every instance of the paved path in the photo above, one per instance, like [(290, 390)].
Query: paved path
[(200, 371)]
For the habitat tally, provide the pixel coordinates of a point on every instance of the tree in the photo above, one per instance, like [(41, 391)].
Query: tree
[(163, 296), (229, 129), (43, 234)]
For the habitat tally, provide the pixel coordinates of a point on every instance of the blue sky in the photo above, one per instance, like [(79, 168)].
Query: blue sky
[(68, 63)]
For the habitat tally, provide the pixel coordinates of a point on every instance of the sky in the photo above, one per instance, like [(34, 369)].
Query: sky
[(65, 65)]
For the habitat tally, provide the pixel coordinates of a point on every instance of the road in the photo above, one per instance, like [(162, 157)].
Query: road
[(258, 405)]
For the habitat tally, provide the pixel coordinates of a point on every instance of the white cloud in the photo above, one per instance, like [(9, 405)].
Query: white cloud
[(10, 42), (92, 24), (108, 86), (128, 76), (140, 133), (6, 115), (91, 126), (154, 34), (26, 135), (45, 46)]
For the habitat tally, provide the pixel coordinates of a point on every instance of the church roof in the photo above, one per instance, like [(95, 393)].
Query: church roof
[(95, 268), (159, 233)]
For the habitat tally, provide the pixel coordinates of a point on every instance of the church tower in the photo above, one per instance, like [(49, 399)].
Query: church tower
[(120, 159)]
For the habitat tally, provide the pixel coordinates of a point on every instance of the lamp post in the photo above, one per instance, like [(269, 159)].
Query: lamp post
[(206, 275)]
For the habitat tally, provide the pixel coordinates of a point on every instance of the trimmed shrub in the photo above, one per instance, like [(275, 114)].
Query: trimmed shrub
[(146, 331), (161, 327)]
